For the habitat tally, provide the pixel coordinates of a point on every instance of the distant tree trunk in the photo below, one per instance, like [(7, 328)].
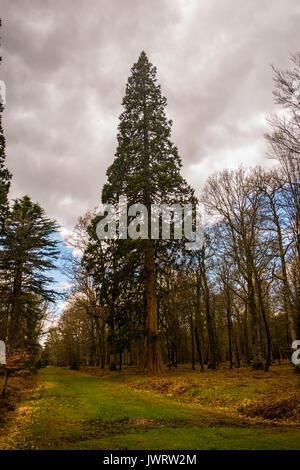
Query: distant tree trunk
[(112, 349), (102, 345), (238, 363), (213, 352), (120, 361), (229, 325), (257, 361), (266, 325), (199, 326), (199, 351), (192, 340), (168, 350), (279, 356), (92, 349), (211, 329), (245, 335), (130, 355)]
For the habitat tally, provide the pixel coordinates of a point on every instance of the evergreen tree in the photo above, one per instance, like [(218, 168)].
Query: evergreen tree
[(29, 250), (146, 170)]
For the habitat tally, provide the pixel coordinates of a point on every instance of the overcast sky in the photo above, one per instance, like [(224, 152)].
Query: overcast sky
[(66, 62)]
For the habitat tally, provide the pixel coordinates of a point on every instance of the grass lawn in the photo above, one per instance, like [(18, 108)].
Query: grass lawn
[(75, 410)]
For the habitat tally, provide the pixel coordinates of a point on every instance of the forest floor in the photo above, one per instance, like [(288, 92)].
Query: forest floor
[(92, 409)]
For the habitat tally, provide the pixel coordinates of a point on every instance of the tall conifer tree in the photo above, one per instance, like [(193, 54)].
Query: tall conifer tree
[(146, 170)]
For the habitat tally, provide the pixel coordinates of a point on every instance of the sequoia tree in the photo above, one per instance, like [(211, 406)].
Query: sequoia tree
[(146, 170)]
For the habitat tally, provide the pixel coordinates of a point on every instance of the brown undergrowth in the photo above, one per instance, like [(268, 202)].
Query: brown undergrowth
[(279, 409), (17, 388)]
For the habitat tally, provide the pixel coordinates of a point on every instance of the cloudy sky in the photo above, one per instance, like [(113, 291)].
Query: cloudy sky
[(66, 62)]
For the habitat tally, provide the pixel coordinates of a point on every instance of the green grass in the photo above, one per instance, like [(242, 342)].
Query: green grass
[(73, 410)]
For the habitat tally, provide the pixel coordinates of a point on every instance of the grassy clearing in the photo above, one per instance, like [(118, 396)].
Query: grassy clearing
[(264, 396), (74, 410)]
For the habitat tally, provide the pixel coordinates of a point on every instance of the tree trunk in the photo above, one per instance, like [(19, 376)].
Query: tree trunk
[(210, 321), (198, 346), (246, 336), (112, 350), (213, 348), (152, 361), (229, 325), (120, 361), (192, 340), (257, 361), (266, 325), (198, 336)]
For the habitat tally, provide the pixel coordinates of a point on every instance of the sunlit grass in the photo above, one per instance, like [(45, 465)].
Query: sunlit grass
[(74, 410)]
